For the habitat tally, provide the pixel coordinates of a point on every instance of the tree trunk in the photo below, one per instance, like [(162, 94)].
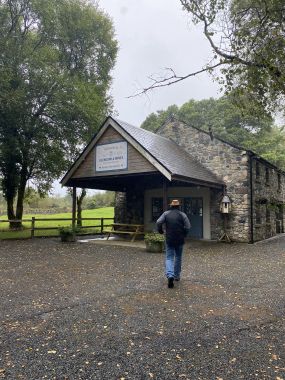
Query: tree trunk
[(9, 186), (10, 210), (20, 198), (20, 201), (10, 197), (79, 207)]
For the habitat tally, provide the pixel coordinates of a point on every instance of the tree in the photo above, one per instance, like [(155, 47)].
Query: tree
[(248, 45), (55, 63), (155, 120), (270, 145), (229, 122), (226, 120), (105, 199), (79, 201)]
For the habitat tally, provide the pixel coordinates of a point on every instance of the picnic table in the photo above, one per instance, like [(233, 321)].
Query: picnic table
[(126, 229)]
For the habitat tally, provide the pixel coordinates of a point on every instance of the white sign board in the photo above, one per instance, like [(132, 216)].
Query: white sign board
[(112, 156)]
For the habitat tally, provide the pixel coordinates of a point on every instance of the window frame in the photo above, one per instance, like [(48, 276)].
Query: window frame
[(159, 203)]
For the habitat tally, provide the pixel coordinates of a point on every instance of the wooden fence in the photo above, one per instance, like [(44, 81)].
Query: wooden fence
[(102, 223)]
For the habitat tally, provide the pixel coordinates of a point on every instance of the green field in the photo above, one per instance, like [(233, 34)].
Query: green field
[(106, 212)]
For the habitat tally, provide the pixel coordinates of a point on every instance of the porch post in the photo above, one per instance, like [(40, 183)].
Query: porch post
[(164, 191), (73, 206)]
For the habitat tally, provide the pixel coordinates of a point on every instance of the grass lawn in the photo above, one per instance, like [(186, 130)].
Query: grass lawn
[(106, 212)]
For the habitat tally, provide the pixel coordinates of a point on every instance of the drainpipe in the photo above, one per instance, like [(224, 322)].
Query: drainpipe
[(251, 198)]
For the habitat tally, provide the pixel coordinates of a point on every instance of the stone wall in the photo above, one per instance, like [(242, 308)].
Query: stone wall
[(228, 163), (135, 205), (216, 218), (232, 165), (267, 201), (120, 208), (129, 206)]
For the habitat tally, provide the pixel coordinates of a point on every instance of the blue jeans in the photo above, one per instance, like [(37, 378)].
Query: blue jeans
[(173, 260)]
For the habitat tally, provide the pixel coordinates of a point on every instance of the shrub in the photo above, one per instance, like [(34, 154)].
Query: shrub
[(68, 233), (154, 237)]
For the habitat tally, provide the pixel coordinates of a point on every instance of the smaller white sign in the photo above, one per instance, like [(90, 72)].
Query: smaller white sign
[(112, 156)]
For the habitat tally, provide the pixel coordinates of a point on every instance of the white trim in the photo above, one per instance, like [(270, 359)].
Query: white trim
[(180, 192), (110, 122), (140, 149)]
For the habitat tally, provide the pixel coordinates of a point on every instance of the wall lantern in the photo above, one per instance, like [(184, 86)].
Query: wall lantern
[(225, 206)]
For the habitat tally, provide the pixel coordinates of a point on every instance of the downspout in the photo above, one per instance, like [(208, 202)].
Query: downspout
[(251, 241)]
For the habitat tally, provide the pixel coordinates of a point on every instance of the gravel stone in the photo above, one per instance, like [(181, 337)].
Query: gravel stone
[(99, 311)]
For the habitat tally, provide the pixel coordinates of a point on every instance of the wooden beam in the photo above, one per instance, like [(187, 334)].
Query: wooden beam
[(73, 206)]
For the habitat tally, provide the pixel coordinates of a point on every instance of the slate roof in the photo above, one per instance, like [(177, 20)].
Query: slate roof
[(172, 156)]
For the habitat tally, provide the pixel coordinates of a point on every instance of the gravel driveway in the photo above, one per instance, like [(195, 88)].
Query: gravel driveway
[(94, 311)]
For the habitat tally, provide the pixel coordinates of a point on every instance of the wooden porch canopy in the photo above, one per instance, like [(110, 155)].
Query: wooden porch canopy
[(120, 155)]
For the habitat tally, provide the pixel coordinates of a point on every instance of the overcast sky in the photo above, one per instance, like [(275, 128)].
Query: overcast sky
[(153, 35)]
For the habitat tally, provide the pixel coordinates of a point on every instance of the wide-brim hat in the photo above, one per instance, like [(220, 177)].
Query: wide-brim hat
[(175, 202)]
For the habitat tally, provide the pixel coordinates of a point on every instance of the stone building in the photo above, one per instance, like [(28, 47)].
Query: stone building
[(147, 170)]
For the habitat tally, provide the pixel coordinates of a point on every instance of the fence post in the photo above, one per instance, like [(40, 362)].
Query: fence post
[(33, 227), (102, 225)]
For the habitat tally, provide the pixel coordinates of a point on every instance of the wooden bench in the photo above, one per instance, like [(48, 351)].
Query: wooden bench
[(126, 229)]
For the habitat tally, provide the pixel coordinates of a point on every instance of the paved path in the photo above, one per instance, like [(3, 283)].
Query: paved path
[(95, 311)]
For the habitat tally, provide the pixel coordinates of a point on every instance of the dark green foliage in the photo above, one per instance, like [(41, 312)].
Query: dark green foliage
[(230, 123), (155, 120), (248, 43), (106, 199), (55, 63)]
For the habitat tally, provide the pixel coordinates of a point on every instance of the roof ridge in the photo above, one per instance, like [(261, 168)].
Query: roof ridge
[(174, 143), (140, 128), (249, 151), (172, 158), (175, 118)]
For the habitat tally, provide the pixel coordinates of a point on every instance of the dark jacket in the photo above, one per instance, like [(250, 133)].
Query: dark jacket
[(177, 226)]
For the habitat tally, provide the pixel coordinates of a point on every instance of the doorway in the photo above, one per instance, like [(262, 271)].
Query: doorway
[(193, 208)]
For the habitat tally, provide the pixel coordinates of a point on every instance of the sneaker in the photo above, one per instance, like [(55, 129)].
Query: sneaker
[(170, 282), (176, 278)]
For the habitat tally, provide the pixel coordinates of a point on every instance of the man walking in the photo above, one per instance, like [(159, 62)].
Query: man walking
[(177, 226)]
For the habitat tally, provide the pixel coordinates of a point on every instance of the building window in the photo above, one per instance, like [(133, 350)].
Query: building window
[(257, 215), (257, 171), (279, 181), (267, 176), (156, 208)]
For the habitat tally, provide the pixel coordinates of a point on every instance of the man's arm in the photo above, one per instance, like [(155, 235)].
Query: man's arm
[(160, 221), (187, 224)]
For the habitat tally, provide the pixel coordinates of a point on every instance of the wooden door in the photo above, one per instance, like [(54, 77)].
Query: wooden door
[(193, 208)]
